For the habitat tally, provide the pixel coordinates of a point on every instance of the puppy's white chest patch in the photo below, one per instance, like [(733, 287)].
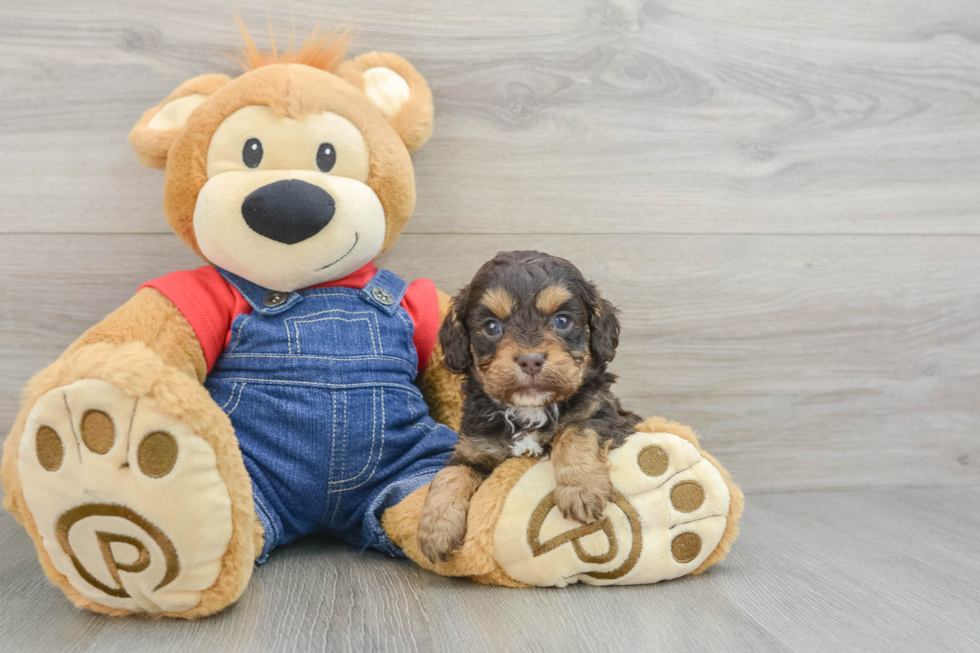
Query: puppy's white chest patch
[(525, 443)]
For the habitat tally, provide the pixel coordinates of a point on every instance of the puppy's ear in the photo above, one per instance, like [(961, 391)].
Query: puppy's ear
[(603, 325), (454, 337)]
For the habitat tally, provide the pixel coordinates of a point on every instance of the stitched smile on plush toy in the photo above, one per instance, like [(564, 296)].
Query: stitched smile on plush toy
[(285, 194), (356, 236)]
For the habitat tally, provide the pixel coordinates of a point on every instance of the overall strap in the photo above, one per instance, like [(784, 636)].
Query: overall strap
[(385, 291), (262, 300)]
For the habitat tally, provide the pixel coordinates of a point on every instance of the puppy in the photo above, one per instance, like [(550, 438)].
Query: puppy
[(533, 339)]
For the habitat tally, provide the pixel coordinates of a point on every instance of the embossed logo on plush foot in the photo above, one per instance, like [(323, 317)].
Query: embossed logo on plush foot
[(668, 514), (128, 500), (575, 536), (105, 540)]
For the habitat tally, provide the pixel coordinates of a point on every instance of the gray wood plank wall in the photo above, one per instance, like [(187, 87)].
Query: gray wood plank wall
[(783, 198)]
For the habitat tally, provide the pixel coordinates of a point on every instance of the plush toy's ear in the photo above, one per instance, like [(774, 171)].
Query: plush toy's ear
[(158, 128), (397, 90)]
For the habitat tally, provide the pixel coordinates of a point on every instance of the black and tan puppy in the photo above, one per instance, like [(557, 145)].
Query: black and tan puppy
[(533, 338)]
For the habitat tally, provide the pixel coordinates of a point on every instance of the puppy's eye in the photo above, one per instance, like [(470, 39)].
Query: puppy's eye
[(326, 157), (562, 322), (492, 328), (252, 153)]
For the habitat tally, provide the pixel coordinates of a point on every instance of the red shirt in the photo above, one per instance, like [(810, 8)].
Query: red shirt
[(210, 304)]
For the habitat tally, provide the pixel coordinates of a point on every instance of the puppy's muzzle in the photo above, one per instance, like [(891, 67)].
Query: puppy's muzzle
[(288, 211), (531, 364)]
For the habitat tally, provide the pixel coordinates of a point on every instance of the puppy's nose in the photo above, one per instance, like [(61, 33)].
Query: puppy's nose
[(531, 364), (288, 211)]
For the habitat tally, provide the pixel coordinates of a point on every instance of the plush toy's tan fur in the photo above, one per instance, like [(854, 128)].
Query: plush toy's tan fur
[(441, 388), (291, 90), (135, 368), (737, 504), (323, 51), (147, 348), (476, 557), (152, 145)]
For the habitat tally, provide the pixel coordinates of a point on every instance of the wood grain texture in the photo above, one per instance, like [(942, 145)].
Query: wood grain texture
[(557, 116), (805, 362), (824, 571), (781, 197)]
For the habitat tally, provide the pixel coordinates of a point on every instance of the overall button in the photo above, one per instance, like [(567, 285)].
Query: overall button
[(275, 298), (383, 296)]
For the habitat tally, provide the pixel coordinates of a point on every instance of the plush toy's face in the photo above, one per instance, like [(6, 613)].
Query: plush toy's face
[(287, 200), (289, 175)]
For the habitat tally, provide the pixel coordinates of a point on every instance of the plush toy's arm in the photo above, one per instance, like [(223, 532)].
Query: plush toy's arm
[(98, 430), (152, 319), (440, 387), (148, 318)]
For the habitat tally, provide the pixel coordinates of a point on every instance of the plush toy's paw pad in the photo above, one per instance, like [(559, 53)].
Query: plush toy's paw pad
[(668, 514), (129, 501)]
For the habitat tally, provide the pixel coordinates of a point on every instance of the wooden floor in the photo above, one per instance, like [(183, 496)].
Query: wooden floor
[(848, 570), (782, 197)]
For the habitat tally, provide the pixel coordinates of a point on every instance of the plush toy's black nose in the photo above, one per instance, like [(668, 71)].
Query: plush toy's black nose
[(288, 211)]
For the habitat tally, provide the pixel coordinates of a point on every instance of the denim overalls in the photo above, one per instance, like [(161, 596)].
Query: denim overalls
[(319, 387)]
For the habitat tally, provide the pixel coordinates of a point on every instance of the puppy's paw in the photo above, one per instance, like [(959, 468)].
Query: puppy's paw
[(441, 531), (582, 503)]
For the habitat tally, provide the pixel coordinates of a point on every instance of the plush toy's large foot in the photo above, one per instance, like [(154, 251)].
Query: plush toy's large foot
[(130, 506), (675, 512)]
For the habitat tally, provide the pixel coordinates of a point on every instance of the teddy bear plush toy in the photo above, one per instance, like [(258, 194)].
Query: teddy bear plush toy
[(290, 387)]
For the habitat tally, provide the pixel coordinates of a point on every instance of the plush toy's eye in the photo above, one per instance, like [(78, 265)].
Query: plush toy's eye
[(562, 322), (492, 328), (252, 153), (326, 157)]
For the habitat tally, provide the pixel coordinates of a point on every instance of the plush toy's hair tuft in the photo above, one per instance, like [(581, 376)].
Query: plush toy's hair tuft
[(323, 51)]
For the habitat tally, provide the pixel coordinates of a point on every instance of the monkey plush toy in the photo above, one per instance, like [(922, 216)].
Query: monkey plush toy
[(290, 387)]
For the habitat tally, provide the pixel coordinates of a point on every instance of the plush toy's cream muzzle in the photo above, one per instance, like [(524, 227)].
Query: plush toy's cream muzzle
[(288, 229), (286, 204)]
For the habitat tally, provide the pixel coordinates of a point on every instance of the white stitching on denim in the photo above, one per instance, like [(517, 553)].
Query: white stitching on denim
[(298, 319), (433, 471), (415, 416), (333, 447), (238, 337), (410, 407), (392, 359), (343, 467), (377, 281), (297, 322), (354, 294), (384, 425), (403, 316), (318, 357), (374, 437), (234, 386), (240, 391), (316, 384), (373, 325)]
